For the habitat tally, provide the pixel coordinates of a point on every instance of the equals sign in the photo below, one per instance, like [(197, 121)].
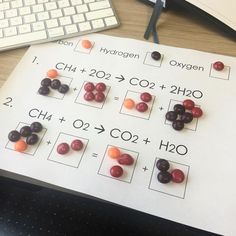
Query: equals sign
[(116, 98), (94, 155)]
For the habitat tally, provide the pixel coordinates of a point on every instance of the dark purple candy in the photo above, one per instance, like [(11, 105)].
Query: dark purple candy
[(46, 82), (55, 84), (14, 136), (44, 90), (32, 139), (25, 131)]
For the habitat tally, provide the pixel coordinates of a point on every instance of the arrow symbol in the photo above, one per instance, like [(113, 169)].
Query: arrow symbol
[(121, 78), (101, 129)]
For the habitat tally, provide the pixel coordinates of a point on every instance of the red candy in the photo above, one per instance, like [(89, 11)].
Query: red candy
[(142, 107), (100, 87), (89, 87), (177, 176), (89, 96), (99, 97), (77, 145), (116, 171), (218, 65), (125, 159), (146, 97), (197, 112), (63, 148), (188, 104)]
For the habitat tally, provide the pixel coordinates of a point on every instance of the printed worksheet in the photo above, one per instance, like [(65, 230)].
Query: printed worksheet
[(134, 123)]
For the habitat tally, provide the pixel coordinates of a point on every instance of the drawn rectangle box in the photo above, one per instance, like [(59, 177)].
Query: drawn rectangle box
[(79, 47), (108, 162), (31, 149), (190, 126), (72, 158), (223, 74), (135, 96), (172, 189), (80, 97), (148, 60)]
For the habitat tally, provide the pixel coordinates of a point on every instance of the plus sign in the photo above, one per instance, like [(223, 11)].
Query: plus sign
[(161, 108), (75, 89), (48, 142), (162, 87), (62, 119), (83, 70), (146, 141), (145, 168)]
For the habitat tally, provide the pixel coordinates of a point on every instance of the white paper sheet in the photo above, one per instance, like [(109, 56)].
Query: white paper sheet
[(204, 150)]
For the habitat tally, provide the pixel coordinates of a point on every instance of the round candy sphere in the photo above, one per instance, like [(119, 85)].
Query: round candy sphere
[(116, 171), (77, 145), (63, 148), (218, 65)]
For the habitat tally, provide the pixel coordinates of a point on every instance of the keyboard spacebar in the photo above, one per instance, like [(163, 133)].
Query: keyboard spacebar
[(23, 38)]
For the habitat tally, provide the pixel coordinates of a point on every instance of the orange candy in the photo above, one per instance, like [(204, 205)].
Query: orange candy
[(20, 146), (113, 152), (52, 73), (86, 44), (129, 103)]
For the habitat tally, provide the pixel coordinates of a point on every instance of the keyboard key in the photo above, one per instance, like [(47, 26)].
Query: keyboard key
[(99, 14), (52, 23), (29, 2), (65, 20), (1, 15), (63, 3), (99, 5), (16, 4), (11, 31), (37, 8), (56, 13), (29, 18), (24, 10), (82, 8), (55, 32), (97, 23), (16, 21), (11, 13), (38, 26), (4, 23), (84, 26), (43, 15), (76, 2), (71, 29), (50, 6), (78, 18), (24, 38), (4, 6), (69, 11), (24, 28), (110, 21)]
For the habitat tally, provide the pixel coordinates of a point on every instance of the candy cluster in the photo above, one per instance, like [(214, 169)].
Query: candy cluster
[(183, 114), (94, 92), (26, 136), (164, 177), (140, 106), (64, 148), (53, 83), (121, 158)]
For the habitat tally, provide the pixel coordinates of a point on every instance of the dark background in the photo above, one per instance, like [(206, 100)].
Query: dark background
[(27, 209)]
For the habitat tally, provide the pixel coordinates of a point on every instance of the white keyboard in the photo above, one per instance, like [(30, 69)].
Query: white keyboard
[(26, 22)]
